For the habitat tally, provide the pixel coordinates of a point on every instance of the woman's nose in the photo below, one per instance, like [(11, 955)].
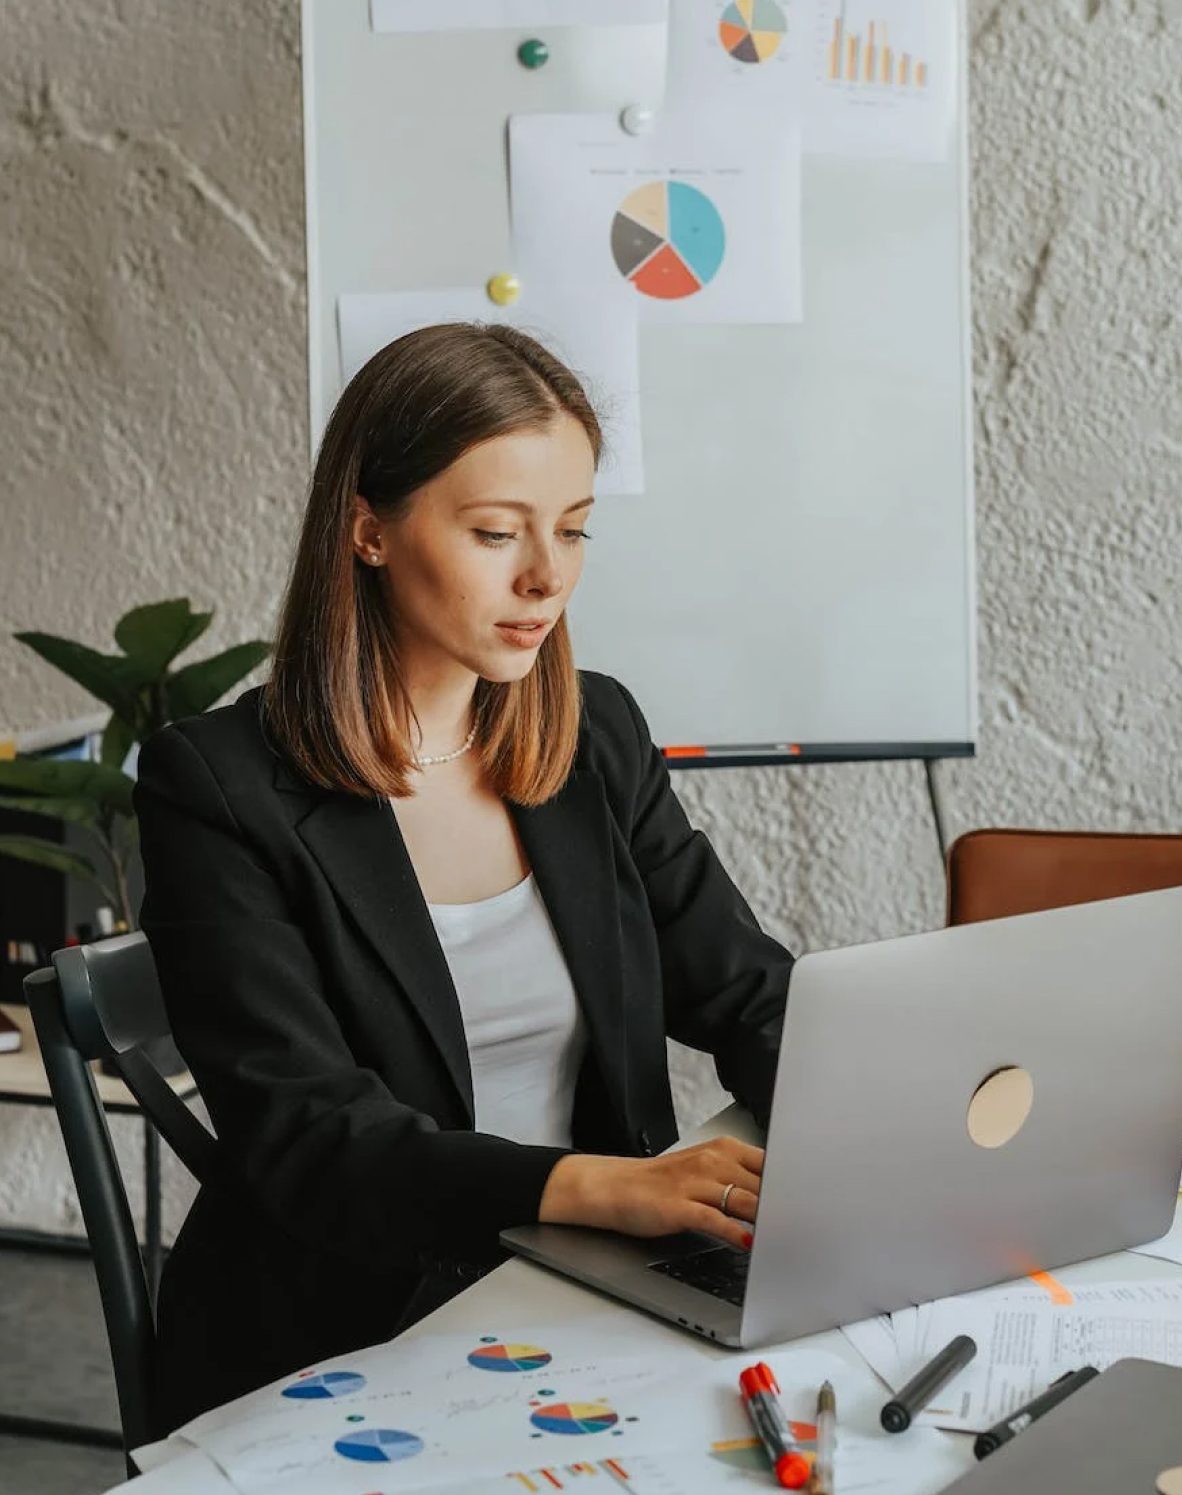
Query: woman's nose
[(543, 578)]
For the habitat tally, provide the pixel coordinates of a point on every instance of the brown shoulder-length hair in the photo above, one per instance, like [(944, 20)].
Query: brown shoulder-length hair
[(336, 702)]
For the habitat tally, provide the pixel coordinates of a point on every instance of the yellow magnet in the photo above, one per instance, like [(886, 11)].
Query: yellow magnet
[(503, 289)]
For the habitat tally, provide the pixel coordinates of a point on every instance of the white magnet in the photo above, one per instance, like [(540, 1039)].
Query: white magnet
[(637, 119)]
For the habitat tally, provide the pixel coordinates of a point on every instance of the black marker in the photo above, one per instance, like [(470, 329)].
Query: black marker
[(897, 1414), (1019, 1421)]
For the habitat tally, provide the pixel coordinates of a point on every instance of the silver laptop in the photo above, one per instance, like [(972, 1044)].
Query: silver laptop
[(1059, 1030)]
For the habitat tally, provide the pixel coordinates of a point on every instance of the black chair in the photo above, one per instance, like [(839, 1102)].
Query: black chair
[(103, 1001)]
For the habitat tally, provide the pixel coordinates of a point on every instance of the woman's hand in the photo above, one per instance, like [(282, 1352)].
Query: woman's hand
[(657, 1196)]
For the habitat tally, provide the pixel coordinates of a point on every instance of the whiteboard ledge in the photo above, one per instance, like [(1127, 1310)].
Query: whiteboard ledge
[(760, 755)]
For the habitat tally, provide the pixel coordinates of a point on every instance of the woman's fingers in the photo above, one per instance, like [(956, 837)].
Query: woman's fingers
[(740, 1202), (749, 1157), (722, 1166), (741, 1205), (745, 1179), (733, 1150), (722, 1227)]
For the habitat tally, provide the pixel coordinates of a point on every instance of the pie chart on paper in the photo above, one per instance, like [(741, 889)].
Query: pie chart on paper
[(318, 1388), (569, 1418), (509, 1357), (668, 239), (379, 1446), (752, 30)]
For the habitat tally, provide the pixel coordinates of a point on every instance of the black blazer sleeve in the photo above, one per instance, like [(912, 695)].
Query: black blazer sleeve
[(725, 982), (322, 1146)]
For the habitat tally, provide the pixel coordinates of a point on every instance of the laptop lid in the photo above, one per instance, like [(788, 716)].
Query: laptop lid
[(1120, 1432), (876, 1195)]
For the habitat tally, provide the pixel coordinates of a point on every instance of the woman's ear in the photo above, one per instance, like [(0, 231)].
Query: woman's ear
[(367, 530)]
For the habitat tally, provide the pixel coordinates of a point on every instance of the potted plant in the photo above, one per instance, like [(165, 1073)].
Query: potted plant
[(144, 693)]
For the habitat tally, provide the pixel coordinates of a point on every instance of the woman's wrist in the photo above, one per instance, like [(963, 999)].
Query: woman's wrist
[(569, 1195)]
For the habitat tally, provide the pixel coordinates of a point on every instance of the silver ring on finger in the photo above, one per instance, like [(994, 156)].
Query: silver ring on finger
[(725, 1200)]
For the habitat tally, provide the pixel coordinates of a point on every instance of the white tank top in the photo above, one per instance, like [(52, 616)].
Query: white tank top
[(526, 1036)]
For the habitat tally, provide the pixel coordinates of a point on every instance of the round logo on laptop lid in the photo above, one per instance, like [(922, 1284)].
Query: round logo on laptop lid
[(999, 1107)]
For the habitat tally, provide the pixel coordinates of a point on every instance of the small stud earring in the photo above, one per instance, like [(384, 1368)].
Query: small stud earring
[(375, 558)]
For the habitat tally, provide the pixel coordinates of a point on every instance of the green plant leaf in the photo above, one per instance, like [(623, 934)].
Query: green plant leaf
[(80, 811), (114, 679), (156, 633), (48, 854), (195, 688), (118, 736), (97, 783)]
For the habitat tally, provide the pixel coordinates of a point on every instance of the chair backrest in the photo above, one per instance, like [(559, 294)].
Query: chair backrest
[(993, 873), (103, 1001)]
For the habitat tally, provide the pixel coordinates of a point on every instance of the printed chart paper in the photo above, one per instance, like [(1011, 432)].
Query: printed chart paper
[(446, 1409), (882, 79), (1026, 1338), (599, 342), (443, 1360), (488, 1414), (718, 1451), (745, 56), (190, 1473), (453, 15), (697, 222)]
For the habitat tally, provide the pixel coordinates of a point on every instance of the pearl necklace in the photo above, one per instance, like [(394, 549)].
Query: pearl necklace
[(447, 757)]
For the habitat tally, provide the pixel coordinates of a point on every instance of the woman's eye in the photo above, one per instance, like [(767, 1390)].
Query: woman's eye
[(499, 537)]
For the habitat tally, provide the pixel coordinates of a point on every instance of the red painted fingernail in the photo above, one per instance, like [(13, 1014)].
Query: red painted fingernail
[(748, 1240)]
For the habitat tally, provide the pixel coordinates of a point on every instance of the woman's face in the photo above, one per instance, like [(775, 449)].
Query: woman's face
[(496, 540)]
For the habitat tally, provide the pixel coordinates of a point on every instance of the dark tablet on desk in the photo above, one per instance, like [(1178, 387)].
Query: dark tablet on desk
[(1119, 1435)]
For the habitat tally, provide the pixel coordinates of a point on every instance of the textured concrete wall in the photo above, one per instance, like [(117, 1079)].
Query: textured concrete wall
[(152, 383)]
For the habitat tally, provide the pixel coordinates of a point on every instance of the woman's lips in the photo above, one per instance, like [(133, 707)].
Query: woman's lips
[(522, 637)]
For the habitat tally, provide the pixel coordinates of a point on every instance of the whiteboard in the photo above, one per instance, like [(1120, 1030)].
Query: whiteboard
[(796, 581)]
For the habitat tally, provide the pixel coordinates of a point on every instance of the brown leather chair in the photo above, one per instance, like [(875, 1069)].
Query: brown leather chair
[(992, 873)]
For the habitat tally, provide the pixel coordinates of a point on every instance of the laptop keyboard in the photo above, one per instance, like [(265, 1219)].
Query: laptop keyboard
[(719, 1270)]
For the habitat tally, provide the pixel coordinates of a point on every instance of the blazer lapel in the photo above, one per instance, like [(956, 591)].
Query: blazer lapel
[(361, 851), (568, 843)]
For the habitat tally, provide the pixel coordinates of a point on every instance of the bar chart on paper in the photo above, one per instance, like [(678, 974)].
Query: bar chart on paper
[(644, 1474), (875, 46), (739, 1464), (611, 1474), (883, 76)]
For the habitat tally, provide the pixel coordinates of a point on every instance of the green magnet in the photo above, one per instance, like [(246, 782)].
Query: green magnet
[(533, 53)]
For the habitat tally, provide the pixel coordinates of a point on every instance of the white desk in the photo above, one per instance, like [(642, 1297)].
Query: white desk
[(521, 1288)]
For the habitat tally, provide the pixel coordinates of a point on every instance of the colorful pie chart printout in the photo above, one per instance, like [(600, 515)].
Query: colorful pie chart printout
[(752, 30), (698, 221), (313, 1388), (571, 1418), (378, 1446), (509, 1357), (668, 239)]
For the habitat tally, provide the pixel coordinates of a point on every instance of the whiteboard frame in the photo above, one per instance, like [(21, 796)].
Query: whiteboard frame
[(322, 334)]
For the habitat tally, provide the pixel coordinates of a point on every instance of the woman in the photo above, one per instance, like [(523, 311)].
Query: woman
[(425, 906)]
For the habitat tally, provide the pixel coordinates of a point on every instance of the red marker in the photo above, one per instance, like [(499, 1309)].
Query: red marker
[(758, 1387)]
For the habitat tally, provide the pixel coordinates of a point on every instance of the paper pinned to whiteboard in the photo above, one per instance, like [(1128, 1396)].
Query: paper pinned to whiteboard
[(464, 15), (599, 342), (747, 56), (696, 222), (882, 79)]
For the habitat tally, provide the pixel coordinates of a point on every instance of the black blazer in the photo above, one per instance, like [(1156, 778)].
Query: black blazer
[(311, 999)]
